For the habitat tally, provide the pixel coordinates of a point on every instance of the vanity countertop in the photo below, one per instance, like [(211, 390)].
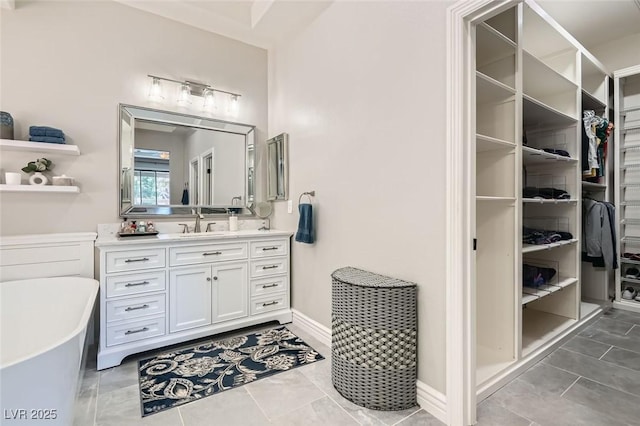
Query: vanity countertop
[(114, 240)]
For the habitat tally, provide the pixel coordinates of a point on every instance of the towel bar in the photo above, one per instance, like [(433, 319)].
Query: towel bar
[(308, 194)]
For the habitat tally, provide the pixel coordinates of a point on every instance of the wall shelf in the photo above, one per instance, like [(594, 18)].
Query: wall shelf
[(52, 148), (40, 188)]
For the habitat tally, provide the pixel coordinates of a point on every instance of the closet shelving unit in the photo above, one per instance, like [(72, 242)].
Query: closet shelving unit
[(532, 80), (627, 133)]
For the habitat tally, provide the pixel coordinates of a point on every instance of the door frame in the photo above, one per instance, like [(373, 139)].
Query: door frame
[(460, 279)]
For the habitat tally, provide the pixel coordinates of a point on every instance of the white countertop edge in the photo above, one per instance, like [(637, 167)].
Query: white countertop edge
[(107, 241)]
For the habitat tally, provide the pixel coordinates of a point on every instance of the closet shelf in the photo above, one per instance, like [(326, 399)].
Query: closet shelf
[(546, 201), (594, 186), (630, 280), (632, 128), (536, 113), (630, 166), (498, 34), (538, 156), (485, 198), (52, 148), (539, 327), (630, 109), (630, 222), (590, 102), (40, 188), (488, 143), (540, 78), (491, 90), (630, 239), (631, 148), (633, 262), (630, 185), (530, 248), (631, 203), (530, 294)]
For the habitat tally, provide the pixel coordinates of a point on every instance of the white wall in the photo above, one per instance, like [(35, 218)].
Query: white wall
[(621, 53), (361, 93), (69, 64)]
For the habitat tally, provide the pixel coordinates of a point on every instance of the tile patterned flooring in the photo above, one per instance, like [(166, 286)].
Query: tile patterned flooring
[(594, 379)]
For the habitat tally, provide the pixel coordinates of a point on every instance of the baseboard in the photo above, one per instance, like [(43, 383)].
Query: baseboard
[(432, 401), (313, 327)]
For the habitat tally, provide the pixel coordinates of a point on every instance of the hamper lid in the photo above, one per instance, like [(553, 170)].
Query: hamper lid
[(363, 278)]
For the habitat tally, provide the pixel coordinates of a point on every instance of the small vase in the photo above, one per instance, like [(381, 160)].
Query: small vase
[(38, 179)]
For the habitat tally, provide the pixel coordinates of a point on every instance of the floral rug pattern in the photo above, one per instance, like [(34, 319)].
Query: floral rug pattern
[(176, 378)]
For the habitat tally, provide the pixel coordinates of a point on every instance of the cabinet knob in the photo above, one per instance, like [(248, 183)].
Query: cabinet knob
[(208, 278), (215, 278)]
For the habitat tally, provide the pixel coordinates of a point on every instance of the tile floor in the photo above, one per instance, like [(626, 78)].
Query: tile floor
[(594, 379)]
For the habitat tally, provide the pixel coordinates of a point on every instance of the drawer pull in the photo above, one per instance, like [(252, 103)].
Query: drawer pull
[(144, 259), (275, 302), (212, 253), (135, 284), (135, 308), (270, 267), (270, 285), (269, 248), (140, 330)]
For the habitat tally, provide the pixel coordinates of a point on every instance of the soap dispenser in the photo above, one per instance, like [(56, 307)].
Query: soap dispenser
[(233, 222)]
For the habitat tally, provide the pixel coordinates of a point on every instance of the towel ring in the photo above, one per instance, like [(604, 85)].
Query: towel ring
[(308, 194)]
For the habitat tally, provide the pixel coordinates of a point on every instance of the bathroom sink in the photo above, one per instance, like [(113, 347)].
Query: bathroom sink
[(196, 235)]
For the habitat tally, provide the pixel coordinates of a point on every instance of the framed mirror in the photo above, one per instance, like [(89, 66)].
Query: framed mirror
[(175, 164), (278, 168)]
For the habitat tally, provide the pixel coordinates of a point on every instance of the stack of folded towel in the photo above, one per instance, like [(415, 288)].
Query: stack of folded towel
[(46, 134)]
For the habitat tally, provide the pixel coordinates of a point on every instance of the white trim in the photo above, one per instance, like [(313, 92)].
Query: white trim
[(313, 327), (47, 238), (433, 401), (460, 309)]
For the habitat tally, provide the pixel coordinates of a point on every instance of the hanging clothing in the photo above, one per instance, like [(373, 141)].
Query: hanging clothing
[(598, 237)]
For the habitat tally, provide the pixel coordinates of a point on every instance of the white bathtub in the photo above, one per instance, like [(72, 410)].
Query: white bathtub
[(43, 323)]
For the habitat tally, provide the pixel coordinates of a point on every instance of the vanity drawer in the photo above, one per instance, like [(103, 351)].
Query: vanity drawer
[(270, 266), (270, 285), (122, 285), (132, 260), (189, 255), (135, 307), (269, 248), (135, 330), (273, 303)]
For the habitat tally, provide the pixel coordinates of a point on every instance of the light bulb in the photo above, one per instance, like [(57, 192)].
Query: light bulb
[(155, 93), (209, 100), (184, 96), (233, 105)]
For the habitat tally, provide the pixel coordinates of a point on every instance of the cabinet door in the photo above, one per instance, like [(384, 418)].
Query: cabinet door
[(190, 298), (230, 288)]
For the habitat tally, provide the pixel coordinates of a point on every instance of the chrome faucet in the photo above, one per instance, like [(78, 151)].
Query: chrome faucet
[(199, 216), (239, 198)]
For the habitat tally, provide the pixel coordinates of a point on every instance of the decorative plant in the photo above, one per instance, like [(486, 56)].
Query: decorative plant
[(40, 165)]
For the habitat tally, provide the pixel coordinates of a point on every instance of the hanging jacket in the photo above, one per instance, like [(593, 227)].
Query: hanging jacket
[(596, 229)]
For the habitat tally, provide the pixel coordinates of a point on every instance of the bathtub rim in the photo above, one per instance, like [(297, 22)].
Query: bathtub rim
[(84, 319)]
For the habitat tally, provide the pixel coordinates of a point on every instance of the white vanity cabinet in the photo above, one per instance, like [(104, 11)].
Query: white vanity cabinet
[(158, 292)]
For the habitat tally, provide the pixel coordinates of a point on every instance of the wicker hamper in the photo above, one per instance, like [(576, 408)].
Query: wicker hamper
[(373, 348)]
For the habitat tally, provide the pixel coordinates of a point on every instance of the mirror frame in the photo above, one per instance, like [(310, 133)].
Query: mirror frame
[(280, 163), (173, 210)]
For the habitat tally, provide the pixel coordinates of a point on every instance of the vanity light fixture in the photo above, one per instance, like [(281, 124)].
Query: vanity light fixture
[(209, 100), (184, 96), (155, 92), (187, 89)]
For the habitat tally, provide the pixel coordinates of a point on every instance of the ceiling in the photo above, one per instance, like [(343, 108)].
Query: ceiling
[(595, 22)]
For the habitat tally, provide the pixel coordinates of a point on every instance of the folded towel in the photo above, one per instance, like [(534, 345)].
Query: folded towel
[(185, 197), (305, 225), (47, 139), (46, 131)]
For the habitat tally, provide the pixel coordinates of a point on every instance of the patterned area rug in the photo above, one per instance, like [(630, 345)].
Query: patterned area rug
[(176, 378)]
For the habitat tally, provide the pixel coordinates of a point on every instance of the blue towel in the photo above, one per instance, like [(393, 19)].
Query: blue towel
[(305, 225), (46, 131), (185, 197), (47, 139)]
